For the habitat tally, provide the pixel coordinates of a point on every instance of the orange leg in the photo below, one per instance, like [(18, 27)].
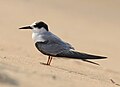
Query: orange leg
[(49, 60)]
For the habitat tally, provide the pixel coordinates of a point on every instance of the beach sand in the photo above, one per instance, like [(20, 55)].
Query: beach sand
[(90, 26)]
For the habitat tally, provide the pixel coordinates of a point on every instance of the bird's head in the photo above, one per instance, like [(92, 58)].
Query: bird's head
[(37, 27)]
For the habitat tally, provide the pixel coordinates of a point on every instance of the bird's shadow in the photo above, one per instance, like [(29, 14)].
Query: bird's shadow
[(44, 64), (61, 68)]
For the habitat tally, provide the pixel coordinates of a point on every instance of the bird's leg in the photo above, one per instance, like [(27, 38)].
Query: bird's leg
[(49, 60)]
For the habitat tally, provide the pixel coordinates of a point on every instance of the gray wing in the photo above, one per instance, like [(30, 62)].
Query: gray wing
[(52, 45), (70, 46), (78, 55)]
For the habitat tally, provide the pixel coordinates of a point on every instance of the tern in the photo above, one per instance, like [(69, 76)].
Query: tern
[(50, 44)]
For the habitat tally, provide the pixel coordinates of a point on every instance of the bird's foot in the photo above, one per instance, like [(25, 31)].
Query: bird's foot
[(44, 64)]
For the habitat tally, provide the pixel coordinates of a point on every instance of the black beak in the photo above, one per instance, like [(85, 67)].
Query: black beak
[(26, 27)]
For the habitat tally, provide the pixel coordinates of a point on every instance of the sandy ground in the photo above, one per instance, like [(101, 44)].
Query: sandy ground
[(91, 26)]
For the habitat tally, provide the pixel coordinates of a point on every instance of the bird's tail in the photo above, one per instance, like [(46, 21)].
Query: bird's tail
[(78, 55)]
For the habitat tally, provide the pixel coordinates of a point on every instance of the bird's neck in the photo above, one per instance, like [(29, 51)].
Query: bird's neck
[(37, 35)]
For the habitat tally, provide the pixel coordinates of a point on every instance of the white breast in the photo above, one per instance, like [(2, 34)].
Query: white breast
[(37, 34), (37, 37)]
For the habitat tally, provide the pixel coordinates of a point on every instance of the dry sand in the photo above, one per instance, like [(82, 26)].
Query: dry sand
[(92, 26)]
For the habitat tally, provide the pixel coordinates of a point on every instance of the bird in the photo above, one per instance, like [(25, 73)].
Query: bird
[(51, 45)]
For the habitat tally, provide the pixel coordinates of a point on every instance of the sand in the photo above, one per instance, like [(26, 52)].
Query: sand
[(90, 26)]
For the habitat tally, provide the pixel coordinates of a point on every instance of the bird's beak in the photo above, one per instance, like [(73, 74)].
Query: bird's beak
[(26, 27)]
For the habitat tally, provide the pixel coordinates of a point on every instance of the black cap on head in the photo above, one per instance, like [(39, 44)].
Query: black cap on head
[(40, 25)]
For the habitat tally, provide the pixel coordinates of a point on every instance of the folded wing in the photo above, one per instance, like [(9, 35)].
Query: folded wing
[(78, 55)]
